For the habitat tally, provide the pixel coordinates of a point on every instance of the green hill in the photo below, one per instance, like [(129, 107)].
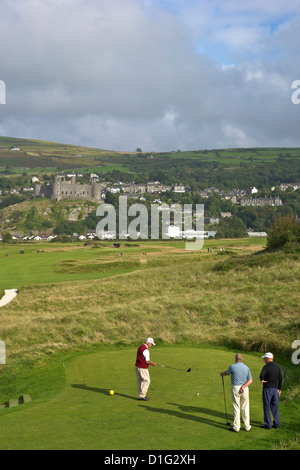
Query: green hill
[(42, 215), (33, 154), (228, 167)]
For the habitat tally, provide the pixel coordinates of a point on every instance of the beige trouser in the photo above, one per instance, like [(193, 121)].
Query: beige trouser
[(143, 381), (240, 402)]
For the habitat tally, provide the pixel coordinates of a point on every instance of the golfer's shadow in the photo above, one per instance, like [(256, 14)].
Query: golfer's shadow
[(100, 390), (207, 411), (185, 411), (201, 410)]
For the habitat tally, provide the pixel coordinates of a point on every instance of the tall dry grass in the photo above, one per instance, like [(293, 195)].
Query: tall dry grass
[(180, 299)]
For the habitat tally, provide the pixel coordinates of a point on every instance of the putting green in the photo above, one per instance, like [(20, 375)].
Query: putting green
[(185, 410)]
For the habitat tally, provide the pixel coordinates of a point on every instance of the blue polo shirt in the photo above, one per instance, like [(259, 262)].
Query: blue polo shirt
[(240, 373)]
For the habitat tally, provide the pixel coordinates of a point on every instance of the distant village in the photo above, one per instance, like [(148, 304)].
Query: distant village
[(68, 187)]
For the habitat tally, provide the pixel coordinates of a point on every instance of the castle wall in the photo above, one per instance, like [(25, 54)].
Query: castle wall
[(42, 191), (62, 189)]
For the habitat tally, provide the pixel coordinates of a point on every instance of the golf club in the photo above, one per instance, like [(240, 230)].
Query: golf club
[(169, 367), (283, 379), (284, 376), (227, 422)]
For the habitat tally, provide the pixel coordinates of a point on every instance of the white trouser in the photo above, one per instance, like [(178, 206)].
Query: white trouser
[(143, 381), (240, 403)]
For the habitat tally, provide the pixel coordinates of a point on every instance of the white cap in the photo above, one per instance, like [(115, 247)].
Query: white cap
[(268, 355), (150, 340)]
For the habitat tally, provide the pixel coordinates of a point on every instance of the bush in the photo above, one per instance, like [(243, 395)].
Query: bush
[(6, 237), (63, 239), (283, 232), (68, 227)]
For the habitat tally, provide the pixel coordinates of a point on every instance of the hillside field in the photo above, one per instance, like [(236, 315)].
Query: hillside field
[(36, 155), (71, 334)]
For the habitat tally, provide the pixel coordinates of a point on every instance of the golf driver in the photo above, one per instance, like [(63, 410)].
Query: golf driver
[(227, 422), (169, 367)]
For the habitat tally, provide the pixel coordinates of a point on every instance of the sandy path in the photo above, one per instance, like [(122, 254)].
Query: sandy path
[(10, 294)]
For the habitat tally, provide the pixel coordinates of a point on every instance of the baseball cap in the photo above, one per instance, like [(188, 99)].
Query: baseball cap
[(268, 355), (150, 340)]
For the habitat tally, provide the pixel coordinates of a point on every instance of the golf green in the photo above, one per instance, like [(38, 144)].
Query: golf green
[(185, 411)]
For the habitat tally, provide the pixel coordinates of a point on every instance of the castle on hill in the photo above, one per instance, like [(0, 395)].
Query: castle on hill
[(70, 189)]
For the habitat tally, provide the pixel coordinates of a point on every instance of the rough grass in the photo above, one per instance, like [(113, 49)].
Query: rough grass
[(179, 298), (291, 444), (263, 258)]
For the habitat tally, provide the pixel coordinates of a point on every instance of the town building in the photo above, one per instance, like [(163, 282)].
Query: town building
[(261, 201)]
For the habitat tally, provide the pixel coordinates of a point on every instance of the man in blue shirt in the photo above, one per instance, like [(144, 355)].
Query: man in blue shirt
[(240, 380)]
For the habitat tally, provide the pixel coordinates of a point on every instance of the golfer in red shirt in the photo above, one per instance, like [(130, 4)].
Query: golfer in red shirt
[(142, 368)]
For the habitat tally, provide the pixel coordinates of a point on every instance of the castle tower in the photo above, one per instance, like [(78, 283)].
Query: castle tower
[(96, 191), (37, 190), (56, 188)]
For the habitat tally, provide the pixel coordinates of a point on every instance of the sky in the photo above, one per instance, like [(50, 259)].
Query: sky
[(160, 75)]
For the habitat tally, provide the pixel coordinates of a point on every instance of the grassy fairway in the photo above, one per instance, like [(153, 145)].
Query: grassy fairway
[(84, 416), (40, 264), (44, 263)]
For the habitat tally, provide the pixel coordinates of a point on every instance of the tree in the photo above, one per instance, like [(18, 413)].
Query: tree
[(6, 237), (283, 231), (231, 227), (112, 199), (68, 227)]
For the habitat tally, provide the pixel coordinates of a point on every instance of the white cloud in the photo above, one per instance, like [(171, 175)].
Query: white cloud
[(119, 75), (238, 136)]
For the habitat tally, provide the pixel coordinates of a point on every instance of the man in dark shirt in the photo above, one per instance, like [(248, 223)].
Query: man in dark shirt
[(271, 381)]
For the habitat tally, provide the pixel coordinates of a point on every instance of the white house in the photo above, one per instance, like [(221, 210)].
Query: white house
[(178, 188), (256, 234), (285, 186)]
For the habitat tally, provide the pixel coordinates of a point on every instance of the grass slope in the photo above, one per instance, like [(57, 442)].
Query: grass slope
[(178, 297), (35, 154), (42, 154)]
